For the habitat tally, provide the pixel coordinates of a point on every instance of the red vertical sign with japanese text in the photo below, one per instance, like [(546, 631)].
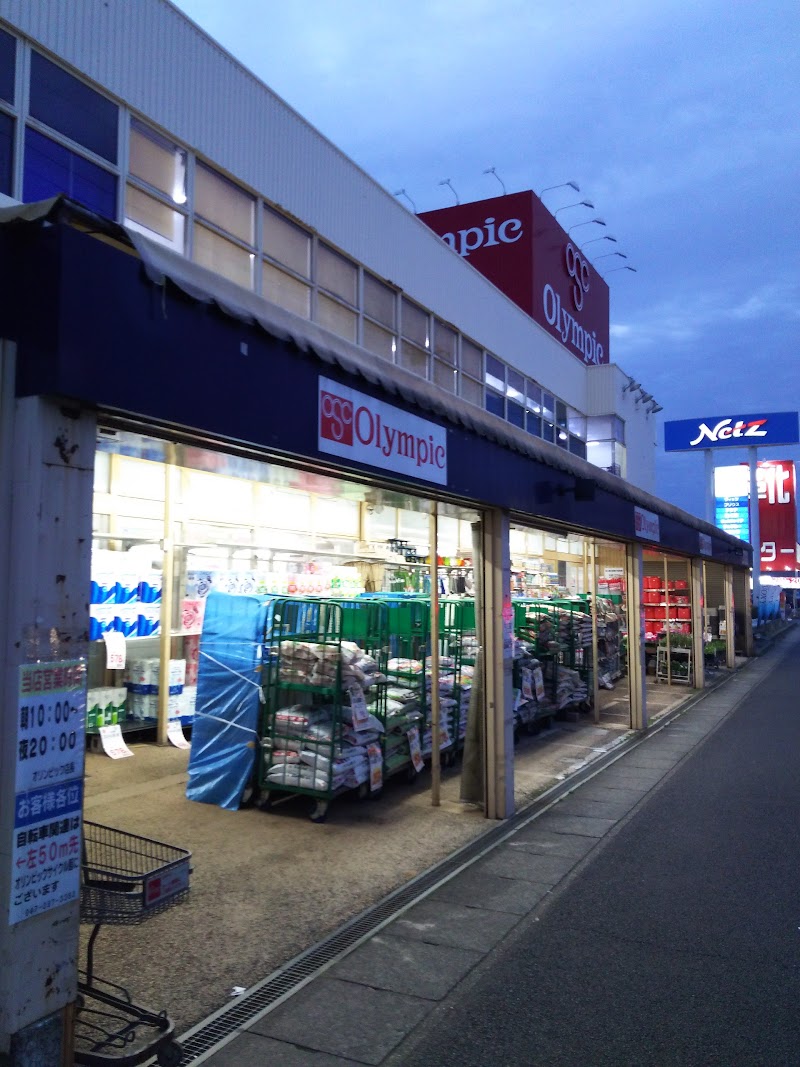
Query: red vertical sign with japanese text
[(777, 515)]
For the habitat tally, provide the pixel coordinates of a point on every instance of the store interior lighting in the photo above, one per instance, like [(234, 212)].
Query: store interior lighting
[(578, 203)]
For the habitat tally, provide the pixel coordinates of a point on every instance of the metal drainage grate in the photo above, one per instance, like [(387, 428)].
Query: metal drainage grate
[(293, 975)]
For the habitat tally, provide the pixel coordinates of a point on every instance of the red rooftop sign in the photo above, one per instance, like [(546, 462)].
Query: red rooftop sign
[(522, 249)]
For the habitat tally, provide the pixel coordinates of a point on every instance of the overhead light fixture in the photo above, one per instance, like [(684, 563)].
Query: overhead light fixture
[(632, 384), (605, 237), (563, 185), (654, 407), (607, 254), (402, 192), (578, 203), (626, 267), (643, 396), (449, 184), (591, 222), (491, 170)]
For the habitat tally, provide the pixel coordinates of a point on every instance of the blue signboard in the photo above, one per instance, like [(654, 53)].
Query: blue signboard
[(732, 514), (732, 431)]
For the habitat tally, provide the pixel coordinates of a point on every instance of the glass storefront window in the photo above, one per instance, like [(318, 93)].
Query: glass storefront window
[(495, 403), (414, 359), (471, 359), (444, 375), (533, 398), (72, 108), (445, 343), (515, 386)]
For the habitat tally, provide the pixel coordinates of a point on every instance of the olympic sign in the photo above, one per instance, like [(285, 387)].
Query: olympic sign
[(355, 426)]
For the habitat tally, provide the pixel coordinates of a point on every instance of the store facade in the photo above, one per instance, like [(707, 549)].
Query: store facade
[(165, 419)]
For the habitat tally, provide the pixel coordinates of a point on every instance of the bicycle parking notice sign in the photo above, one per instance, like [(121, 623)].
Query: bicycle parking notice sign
[(48, 802)]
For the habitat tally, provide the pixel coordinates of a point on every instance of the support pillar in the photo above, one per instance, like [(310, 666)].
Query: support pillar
[(698, 623), (498, 631), (46, 473), (634, 569), (730, 646)]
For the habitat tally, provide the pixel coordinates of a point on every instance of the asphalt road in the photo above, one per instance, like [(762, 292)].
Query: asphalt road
[(678, 943)]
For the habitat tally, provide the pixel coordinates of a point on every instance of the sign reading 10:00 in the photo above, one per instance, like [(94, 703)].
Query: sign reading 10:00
[(50, 724)]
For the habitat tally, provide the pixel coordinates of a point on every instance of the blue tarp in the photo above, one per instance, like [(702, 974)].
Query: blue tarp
[(225, 729)]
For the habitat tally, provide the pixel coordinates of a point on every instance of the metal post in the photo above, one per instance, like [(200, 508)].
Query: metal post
[(498, 631), (167, 596), (755, 530), (636, 630), (436, 766), (730, 646), (592, 586), (710, 487), (698, 620)]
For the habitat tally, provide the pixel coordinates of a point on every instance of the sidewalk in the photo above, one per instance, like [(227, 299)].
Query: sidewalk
[(366, 997)]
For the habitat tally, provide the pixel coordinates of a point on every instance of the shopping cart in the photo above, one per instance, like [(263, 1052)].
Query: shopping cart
[(125, 879)]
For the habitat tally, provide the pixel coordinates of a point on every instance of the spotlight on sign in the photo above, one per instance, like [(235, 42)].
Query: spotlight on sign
[(578, 203)]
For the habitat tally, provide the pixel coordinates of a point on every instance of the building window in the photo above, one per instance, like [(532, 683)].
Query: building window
[(50, 169), (379, 304), (515, 413), (285, 290), (415, 331), (337, 275), (379, 341), (380, 301), (470, 378), (224, 204), (73, 109), (154, 218), (286, 243), (577, 447), (495, 374), (217, 253), (8, 66), (576, 423), (336, 317), (6, 153), (157, 162), (548, 417), (445, 348)]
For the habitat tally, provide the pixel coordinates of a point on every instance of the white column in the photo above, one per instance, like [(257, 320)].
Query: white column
[(636, 630), (498, 628), (730, 647), (46, 473), (698, 622)]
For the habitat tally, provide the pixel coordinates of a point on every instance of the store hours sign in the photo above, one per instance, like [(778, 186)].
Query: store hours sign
[(355, 426), (48, 801)]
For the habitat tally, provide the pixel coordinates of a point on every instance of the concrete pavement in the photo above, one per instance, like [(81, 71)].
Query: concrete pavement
[(389, 999)]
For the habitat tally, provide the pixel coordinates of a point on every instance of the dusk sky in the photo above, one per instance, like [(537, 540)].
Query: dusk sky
[(681, 122)]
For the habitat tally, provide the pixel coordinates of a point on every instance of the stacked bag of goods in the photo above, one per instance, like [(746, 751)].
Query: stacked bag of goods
[(142, 680), (403, 713), (570, 688), (308, 758), (105, 707)]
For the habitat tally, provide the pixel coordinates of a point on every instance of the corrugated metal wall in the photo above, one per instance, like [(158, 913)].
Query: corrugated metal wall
[(155, 60)]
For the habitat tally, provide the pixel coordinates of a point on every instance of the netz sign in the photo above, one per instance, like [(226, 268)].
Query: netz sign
[(731, 431), (358, 427)]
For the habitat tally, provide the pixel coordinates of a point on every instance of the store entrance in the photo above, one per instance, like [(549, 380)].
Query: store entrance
[(670, 669), (571, 694)]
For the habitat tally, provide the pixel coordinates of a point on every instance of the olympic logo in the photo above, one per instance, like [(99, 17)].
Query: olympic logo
[(335, 418), (578, 270)]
